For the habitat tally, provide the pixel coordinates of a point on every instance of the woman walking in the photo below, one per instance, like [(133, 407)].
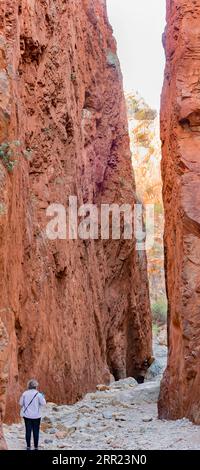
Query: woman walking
[(31, 402)]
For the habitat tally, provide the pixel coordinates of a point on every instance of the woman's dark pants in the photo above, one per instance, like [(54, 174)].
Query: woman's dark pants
[(32, 425)]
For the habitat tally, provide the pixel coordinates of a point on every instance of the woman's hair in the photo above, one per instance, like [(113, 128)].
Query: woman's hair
[(32, 384)]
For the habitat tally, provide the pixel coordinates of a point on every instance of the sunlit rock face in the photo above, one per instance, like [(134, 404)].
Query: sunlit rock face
[(74, 311), (144, 131), (180, 133)]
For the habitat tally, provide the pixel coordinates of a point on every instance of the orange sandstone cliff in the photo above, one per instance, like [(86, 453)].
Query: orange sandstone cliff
[(73, 311), (180, 133)]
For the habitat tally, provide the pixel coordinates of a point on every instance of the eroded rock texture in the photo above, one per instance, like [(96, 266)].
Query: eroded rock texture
[(74, 310), (180, 133)]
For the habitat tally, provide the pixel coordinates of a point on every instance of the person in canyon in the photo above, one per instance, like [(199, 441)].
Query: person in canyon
[(31, 403)]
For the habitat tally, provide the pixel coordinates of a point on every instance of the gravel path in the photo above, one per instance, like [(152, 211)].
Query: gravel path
[(122, 416)]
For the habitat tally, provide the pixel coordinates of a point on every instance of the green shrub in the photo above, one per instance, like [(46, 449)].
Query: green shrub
[(7, 152), (159, 311), (146, 114), (142, 139), (155, 329), (158, 208)]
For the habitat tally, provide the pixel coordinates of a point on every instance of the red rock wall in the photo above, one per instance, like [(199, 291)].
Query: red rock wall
[(180, 133), (72, 309)]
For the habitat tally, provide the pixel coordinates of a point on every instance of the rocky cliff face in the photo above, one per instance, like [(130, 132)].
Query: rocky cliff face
[(180, 126), (74, 311)]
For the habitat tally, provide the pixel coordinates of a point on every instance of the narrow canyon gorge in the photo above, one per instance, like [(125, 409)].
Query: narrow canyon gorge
[(180, 127), (73, 312), (76, 313)]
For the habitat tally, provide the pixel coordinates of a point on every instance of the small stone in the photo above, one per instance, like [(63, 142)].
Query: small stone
[(125, 405), (48, 441), (124, 384), (107, 414), (45, 426), (147, 419), (109, 441), (46, 419), (65, 431), (46, 423), (116, 402), (61, 434), (61, 427), (119, 417), (71, 430), (55, 408), (102, 387), (62, 446)]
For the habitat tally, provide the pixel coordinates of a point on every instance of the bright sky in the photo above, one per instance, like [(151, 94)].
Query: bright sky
[(138, 26)]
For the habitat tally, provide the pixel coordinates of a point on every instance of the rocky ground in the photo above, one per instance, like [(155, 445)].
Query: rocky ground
[(121, 416)]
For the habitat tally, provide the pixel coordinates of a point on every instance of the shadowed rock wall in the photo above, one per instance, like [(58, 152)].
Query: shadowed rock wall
[(180, 133)]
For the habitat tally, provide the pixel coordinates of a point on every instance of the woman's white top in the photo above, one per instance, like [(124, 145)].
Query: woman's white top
[(34, 409)]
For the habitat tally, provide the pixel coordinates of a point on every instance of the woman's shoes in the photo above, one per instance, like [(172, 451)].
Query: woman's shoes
[(29, 448)]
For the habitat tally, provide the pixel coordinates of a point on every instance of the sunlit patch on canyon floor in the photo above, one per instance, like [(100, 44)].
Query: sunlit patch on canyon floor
[(121, 416)]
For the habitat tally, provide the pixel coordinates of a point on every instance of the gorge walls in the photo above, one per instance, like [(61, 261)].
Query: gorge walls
[(75, 311), (180, 134)]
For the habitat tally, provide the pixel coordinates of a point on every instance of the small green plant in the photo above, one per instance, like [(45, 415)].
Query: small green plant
[(158, 208), (155, 329), (146, 114), (7, 152), (159, 312)]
